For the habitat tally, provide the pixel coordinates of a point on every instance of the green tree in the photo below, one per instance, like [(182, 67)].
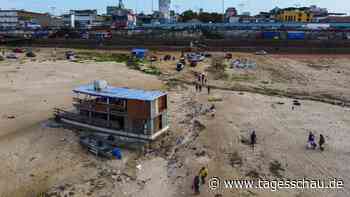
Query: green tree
[(188, 15)]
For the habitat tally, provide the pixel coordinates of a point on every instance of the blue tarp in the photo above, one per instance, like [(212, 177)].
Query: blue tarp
[(139, 53), (117, 153), (121, 93)]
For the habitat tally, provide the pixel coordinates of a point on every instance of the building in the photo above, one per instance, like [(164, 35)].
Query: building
[(231, 15), (267, 17), (122, 112), (164, 8), (56, 23), (336, 19), (144, 19), (14, 19), (121, 17), (294, 15), (318, 12), (230, 12), (234, 19), (81, 19)]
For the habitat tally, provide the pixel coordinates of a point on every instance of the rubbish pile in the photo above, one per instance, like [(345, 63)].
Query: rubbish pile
[(243, 64), (100, 146), (30, 54)]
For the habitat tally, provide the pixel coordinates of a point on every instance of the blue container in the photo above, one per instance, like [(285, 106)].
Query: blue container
[(271, 35), (117, 153), (139, 53), (296, 35)]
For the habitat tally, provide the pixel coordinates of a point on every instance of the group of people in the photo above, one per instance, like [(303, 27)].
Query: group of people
[(199, 179), (201, 81), (311, 142)]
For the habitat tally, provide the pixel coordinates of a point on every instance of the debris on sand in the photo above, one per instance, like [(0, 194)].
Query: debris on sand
[(198, 125), (215, 98), (51, 124), (253, 174), (244, 140), (10, 116), (276, 168), (235, 159), (296, 103)]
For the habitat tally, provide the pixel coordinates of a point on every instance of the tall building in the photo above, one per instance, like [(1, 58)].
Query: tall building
[(164, 8)]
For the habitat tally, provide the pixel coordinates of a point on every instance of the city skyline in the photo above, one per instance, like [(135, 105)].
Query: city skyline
[(58, 7)]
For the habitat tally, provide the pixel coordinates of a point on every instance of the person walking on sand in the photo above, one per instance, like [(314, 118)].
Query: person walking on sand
[(200, 88), (253, 138), (321, 142), (311, 141), (208, 87), (203, 173), (195, 185), (202, 78)]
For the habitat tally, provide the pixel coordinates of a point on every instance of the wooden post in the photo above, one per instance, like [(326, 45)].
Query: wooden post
[(90, 113), (108, 113)]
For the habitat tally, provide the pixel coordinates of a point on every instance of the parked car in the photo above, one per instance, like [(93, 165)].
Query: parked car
[(180, 66), (70, 55), (262, 52), (11, 56), (228, 56), (18, 50), (195, 57)]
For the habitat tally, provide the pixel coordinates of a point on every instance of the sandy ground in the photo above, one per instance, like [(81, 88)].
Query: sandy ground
[(31, 152), (38, 158)]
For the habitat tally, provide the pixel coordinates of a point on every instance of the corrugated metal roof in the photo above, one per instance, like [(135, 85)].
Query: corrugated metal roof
[(123, 93)]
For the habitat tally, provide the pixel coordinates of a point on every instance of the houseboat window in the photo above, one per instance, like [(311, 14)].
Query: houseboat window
[(84, 112), (99, 115), (117, 122)]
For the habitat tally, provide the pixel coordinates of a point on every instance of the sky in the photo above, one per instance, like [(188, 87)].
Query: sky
[(254, 6)]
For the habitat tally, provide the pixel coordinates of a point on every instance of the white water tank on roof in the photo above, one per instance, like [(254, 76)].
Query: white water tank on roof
[(100, 85)]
